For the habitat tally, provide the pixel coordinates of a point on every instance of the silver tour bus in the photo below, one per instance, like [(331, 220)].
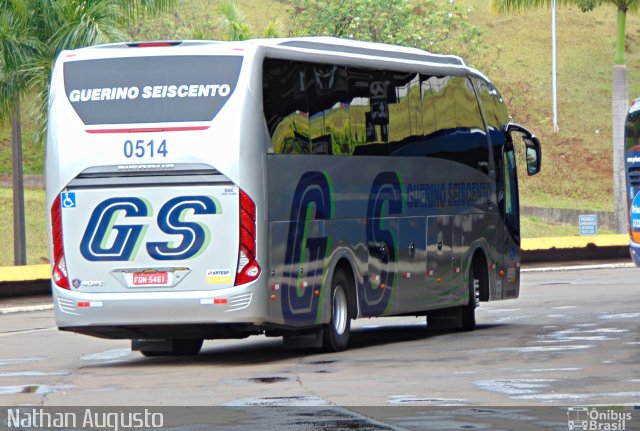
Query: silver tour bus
[(204, 190)]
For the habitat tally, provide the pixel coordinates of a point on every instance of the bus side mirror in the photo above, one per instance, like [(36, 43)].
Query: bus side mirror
[(534, 153), (532, 145)]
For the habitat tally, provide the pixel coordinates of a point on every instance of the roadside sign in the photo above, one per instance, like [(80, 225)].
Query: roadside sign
[(588, 224)]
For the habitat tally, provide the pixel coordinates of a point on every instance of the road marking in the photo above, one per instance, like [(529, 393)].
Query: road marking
[(26, 331), (579, 267), (26, 308)]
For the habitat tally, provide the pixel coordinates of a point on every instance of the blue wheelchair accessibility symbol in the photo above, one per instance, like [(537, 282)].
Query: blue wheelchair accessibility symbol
[(68, 200)]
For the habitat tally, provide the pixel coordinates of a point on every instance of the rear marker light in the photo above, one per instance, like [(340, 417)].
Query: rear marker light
[(89, 304), (59, 275), (248, 268)]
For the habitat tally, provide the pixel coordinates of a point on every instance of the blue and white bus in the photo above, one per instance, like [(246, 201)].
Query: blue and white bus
[(632, 164), (204, 190)]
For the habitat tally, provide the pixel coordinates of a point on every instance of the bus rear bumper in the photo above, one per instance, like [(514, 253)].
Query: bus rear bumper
[(229, 313)]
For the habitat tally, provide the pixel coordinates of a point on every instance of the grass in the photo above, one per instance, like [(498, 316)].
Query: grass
[(533, 227), (36, 233), (577, 161)]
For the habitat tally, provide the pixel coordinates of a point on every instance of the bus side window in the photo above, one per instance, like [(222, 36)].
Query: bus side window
[(511, 205), (285, 106), (495, 116), (330, 129), (369, 91), (452, 123), (403, 123), (428, 105)]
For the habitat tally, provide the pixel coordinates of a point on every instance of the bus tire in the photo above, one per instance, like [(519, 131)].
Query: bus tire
[(469, 310), (335, 334), (179, 347)]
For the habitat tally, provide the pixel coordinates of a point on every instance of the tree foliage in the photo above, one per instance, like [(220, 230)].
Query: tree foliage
[(233, 21), (436, 26), (33, 32)]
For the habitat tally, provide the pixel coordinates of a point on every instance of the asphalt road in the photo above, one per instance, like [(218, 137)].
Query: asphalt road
[(571, 339)]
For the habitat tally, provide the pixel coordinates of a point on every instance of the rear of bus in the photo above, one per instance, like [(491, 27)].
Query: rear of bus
[(632, 165), (154, 222)]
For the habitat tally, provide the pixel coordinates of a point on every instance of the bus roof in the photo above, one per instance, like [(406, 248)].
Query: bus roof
[(314, 46), (319, 49)]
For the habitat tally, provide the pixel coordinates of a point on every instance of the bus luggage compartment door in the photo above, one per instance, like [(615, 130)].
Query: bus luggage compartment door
[(412, 264), (439, 260)]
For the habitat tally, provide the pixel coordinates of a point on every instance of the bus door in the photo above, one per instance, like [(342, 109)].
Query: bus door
[(508, 244), (509, 207)]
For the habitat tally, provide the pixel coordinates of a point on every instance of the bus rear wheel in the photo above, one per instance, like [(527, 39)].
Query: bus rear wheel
[(335, 334)]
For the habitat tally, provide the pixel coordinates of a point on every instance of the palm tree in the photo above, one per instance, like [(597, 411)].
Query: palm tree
[(233, 21), (32, 32), (620, 98), (17, 46)]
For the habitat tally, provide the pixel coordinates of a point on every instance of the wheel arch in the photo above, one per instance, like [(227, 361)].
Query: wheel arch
[(479, 263), (343, 261)]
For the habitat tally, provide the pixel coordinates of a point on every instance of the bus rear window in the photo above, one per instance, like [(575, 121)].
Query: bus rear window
[(135, 90)]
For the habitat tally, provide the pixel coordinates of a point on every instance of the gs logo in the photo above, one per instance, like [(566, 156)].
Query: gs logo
[(105, 240)]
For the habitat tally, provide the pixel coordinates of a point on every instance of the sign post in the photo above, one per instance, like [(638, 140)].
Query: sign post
[(588, 224)]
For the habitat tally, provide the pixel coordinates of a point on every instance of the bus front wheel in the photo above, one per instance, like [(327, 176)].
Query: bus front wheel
[(335, 334), (469, 310)]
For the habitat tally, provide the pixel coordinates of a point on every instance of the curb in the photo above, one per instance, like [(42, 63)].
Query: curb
[(564, 248), (25, 280), (36, 279)]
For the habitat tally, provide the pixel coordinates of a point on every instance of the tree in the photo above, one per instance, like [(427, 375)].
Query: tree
[(432, 25), (17, 46), (32, 33), (233, 21), (620, 98)]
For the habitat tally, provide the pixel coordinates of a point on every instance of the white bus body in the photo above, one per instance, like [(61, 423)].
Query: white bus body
[(202, 190)]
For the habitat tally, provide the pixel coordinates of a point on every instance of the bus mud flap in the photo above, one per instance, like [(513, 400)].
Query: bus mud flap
[(448, 318), (151, 345), (311, 339)]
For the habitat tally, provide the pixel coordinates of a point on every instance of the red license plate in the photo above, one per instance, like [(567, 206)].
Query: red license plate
[(150, 278)]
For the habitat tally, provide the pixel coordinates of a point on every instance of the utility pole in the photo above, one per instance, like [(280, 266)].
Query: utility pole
[(554, 90), (19, 240)]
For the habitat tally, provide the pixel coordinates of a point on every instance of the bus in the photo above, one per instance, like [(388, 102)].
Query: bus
[(632, 165), (204, 190)]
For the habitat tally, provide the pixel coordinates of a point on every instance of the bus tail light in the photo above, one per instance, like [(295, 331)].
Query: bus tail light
[(59, 275), (248, 268)]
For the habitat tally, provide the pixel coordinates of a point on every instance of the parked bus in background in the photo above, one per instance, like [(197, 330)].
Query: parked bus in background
[(632, 164), (203, 190)]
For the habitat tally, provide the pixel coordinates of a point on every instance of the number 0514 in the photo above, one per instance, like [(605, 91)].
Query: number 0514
[(141, 148)]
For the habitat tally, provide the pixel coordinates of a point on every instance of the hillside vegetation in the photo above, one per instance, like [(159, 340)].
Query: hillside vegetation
[(577, 161)]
